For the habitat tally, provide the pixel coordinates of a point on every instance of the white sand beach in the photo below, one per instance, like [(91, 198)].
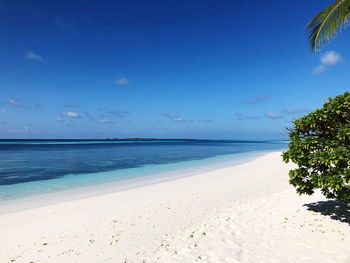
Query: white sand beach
[(243, 213)]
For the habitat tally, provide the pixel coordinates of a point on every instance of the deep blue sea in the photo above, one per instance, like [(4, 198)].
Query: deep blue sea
[(34, 167)]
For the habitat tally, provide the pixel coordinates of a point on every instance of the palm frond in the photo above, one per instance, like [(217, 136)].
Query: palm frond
[(328, 23)]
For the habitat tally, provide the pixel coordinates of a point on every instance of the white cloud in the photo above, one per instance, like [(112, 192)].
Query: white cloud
[(33, 56), (14, 102), (122, 81), (71, 114), (319, 69), (328, 59)]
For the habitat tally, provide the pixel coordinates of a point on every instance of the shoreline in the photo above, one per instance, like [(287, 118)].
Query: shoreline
[(242, 213), (76, 193)]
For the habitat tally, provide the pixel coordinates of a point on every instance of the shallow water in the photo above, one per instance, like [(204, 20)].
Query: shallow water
[(29, 168)]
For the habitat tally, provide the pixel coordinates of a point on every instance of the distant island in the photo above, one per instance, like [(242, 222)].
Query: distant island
[(133, 139)]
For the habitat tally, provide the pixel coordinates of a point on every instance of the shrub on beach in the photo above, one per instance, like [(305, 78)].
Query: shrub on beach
[(320, 146)]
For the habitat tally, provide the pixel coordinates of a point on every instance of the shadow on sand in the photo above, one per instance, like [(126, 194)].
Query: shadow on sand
[(334, 209)]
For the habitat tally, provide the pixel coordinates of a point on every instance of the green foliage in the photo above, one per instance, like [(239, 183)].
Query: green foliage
[(320, 146), (328, 23)]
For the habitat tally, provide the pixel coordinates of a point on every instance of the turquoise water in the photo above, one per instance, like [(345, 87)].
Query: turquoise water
[(31, 168)]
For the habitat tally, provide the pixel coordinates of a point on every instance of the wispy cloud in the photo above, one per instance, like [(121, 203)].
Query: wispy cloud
[(273, 115), (295, 111), (14, 103), (105, 121), (206, 121), (89, 116), (107, 116), (175, 117), (241, 116), (60, 22), (38, 106), (119, 114), (2, 110), (327, 60), (34, 56), (122, 81), (72, 105), (256, 100), (25, 129), (60, 120), (71, 114)]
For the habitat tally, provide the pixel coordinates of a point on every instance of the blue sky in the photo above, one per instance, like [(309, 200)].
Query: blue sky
[(170, 69)]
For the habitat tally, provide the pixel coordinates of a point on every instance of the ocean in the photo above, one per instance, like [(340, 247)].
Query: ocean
[(35, 167)]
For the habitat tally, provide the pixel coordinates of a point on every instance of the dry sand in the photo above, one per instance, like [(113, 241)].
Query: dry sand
[(243, 213)]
